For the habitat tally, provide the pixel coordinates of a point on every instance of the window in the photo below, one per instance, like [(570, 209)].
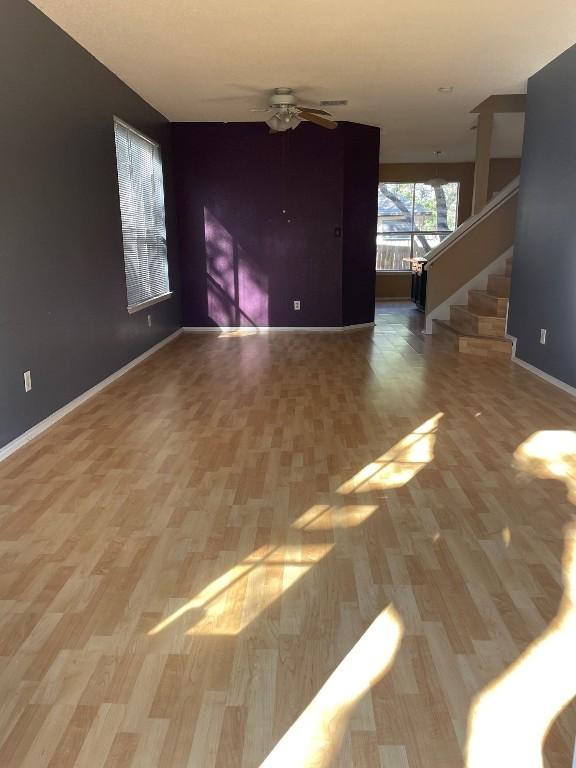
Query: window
[(142, 209), (413, 219)]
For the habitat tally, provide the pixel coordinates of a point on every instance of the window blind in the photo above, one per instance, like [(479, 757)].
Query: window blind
[(141, 188)]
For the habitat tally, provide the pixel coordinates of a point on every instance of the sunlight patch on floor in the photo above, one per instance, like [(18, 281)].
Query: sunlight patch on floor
[(322, 517), (314, 739), (235, 599), (550, 454), (400, 464), (239, 333), (510, 719), (232, 601)]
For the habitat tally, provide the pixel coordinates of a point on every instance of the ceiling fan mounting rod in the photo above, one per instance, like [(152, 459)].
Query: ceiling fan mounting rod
[(282, 97)]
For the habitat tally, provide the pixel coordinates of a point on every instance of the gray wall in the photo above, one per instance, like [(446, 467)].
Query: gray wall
[(544, 271), (62, 288)]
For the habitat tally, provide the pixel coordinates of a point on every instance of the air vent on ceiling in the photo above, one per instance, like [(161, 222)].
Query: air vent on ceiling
[(334, 102)]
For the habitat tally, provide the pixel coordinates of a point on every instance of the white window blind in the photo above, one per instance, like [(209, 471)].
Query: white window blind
[(141, 189)]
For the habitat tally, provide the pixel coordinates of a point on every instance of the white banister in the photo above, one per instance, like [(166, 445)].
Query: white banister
[(498, 200)]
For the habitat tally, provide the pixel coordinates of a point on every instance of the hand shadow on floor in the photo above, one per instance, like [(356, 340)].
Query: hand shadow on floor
[(511, 718)]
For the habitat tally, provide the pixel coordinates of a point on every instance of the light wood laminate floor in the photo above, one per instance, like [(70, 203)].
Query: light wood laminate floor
[(296, 549)]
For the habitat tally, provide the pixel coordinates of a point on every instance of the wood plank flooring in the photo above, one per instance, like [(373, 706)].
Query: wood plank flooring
[(294, 549)]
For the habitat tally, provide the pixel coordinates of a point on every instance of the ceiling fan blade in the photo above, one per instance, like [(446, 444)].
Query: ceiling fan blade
[(314, 111), (312, 118), (262, 109)]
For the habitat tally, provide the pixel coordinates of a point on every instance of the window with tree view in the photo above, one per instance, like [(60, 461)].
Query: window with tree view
[(413, 219)]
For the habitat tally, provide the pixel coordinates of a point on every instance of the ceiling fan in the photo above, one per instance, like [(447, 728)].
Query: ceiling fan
[(287, 113)]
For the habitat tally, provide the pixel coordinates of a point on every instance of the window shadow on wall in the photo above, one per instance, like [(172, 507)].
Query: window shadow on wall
[(237, 288)]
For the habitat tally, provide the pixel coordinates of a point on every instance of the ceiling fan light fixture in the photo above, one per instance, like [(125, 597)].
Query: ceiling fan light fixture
[(279, 123), (288, 114), (436, 182)]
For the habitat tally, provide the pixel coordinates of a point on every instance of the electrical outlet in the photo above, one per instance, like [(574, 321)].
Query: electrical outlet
[(542, 335), (297, 305), (149, 321), (27, 381)]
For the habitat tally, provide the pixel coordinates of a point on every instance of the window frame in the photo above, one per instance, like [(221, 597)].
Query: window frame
[(134, 308), (416, 232)]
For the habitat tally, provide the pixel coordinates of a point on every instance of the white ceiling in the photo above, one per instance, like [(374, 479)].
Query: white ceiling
[(212, 61)]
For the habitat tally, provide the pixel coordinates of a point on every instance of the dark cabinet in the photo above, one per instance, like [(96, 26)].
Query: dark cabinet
[(419, 276)]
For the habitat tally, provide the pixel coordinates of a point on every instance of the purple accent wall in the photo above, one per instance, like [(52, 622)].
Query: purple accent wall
[(360, 208), (258, 215)]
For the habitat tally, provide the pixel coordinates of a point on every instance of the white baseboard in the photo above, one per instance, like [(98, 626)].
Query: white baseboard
[(541, 374), (394, 298), (42, 426), (357, 326), (273, 329), (513, 339)]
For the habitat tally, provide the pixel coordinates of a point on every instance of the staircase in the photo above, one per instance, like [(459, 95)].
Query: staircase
[(479, 327)]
